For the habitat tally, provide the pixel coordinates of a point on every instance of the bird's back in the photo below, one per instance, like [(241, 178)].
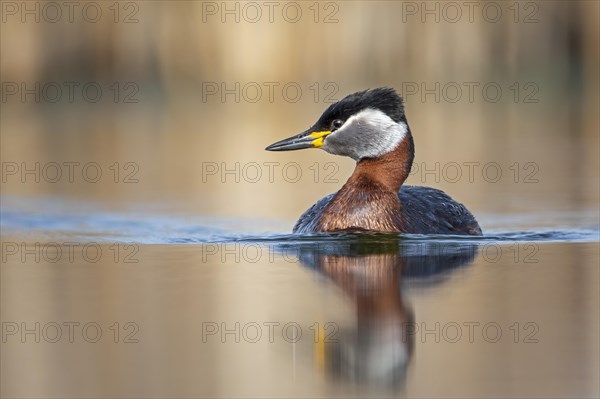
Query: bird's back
[(426, 210)]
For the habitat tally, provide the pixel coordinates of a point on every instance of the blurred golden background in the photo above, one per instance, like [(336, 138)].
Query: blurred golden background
[(191, 90), (167, 106)]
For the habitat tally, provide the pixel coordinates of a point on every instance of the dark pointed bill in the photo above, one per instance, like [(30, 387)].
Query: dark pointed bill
[(307, 139)]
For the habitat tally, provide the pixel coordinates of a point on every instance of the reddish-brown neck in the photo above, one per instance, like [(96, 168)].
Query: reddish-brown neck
[(389, 170), (369, 199)]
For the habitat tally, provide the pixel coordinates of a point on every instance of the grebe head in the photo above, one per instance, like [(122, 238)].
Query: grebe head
[(367, 124)]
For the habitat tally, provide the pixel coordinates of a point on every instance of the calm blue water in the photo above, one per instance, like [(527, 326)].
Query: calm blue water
[(54, 219)]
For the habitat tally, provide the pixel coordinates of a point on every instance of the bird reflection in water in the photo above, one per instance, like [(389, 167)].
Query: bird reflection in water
[(371, 271)]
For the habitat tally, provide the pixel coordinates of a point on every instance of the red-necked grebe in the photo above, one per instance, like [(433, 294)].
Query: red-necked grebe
[(370, 127)]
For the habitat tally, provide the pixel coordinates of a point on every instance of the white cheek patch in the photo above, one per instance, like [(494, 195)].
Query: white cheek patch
[(368, 134)]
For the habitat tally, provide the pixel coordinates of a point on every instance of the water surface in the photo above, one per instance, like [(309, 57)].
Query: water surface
[(209, 307)]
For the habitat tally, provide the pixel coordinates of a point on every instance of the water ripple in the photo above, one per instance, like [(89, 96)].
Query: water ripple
[(152, 229)]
